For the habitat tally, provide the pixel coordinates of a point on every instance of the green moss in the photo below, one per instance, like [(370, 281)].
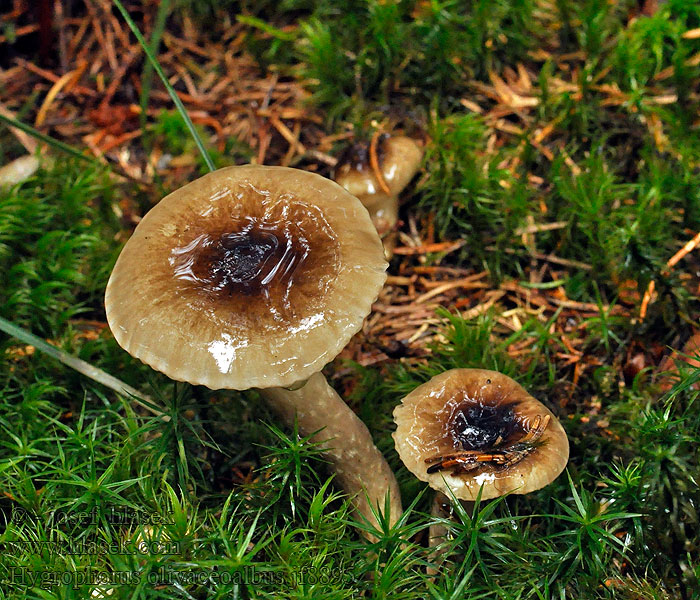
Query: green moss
[(56, 246), (252, 508), (172, 132)]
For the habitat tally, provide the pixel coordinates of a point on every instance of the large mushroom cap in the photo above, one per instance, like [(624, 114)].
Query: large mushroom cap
[(247, 277), (469, 427)]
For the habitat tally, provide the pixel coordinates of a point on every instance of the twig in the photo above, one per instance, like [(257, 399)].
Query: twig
[(287, 134), (24, 138), (547, 257), (688, 247), (59, 19), (428, 248), (374, 163), (71, 76), (53, 77), (467, 284), (541, 227)]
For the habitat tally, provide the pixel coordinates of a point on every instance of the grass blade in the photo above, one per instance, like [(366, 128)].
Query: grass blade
[(147, 76), (83, 367), (47, 139), (158, 69)]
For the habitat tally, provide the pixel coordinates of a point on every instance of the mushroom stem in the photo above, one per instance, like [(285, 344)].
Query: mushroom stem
[(360, 468), (442, 508), (437, 533), (384, 212)]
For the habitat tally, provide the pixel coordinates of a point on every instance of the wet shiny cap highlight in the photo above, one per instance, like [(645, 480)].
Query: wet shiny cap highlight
[(250, 276), (468, 428)]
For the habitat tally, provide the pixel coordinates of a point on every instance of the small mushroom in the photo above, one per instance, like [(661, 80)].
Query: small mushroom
[(256, 277), (471, 429), (378, 185)]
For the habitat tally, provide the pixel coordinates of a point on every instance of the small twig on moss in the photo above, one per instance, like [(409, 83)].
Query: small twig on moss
[(686, 249), (374, 163)]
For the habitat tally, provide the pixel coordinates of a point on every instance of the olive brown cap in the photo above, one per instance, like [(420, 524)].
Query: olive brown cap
[(250, 276), (399, 159), (258, 276), (468, 428)]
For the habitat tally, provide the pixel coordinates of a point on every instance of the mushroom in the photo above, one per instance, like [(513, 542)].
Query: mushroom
[(256, 277), (467, 430), (378, 183), (471, 430)]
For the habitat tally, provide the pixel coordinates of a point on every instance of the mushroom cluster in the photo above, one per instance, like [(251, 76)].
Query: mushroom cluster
[(257, 277), (467, 430), (397, 161)]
